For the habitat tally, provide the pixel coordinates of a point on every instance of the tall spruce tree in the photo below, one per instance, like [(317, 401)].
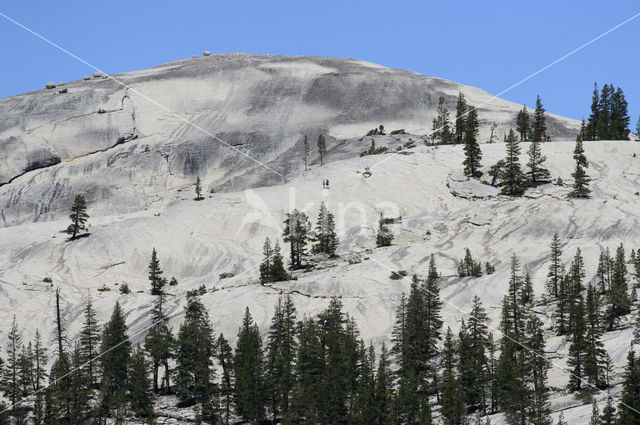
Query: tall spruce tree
[(194, 372), (578, 347), (80, 387), (155, 274), (537, 174), (305, 154), (384, 388), (472, 151), (10, 381), (618, 302), (249, 389), (224, 354), (596, 356), (539, 125), (594, 119), (325, 233), (441, 126), (555, 267), (539, 410), (280, 359), (629, 405), (297, 229), (265, 266), (198, 189), (523, 124), (90, 341), (580, 178), (474, 373), (322, 148), (512, 176), (461, 121), (452, 407), (309, 369), (140, 391), (78, 217), (160, 344), (114, 363)]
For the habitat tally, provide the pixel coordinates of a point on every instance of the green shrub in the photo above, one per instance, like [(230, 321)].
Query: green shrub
[(226, 275), (124, 289)]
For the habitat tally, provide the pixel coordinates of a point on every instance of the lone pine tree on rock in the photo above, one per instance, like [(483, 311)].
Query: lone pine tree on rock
[(155, 274), (472, 152), (78, 217), (198, 186), (580, 178)]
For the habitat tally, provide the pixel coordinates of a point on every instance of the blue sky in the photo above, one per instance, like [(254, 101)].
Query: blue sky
[(490, 44)]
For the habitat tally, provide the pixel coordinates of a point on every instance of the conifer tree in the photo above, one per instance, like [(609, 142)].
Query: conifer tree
[(384, 388), (322, 147), (281, 349), (305, 155), (526, 296), (555, 268), (472, 151), (461, 113), (629, 405), (580, 178), (80, 387), (474, 375), (384, 237), (224, 354), (325, 234), (564, 303), (297, 231), (10, 382), (595, 413), (278, 272), (594, 119), (537, 174), (619, 116), (249, 389), (440, 128), (198, 189), (140, 392), (90, 341), (39, 362), (305, 400), (155, 274), (605, 265), (618, 302), (78, 217), (512, 176), (452, 407), (595, 354), (582, 134), (265, 266), (523, 124), (194, 351), (159, 344), (538, 125), (608, 416), (539, 412), (114, 362), (578, 347)]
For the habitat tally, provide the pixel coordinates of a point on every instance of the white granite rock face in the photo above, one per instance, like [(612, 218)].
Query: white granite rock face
[(122, 147)]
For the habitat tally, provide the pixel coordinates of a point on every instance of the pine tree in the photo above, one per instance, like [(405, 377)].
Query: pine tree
[(629, 404), (475, 376), (224, 355), (578, 347), (618, 302), (472, 151), (249, 389), (116, 352), (265, 266), (583, 133), (309, 369), (461, 113), (278, 272), (10, 382), (140, 392), (555, 268), (155, 274), (492, 135), (523, 124), (619, 116), (90, 341), (159, 344), (80, 387), (564, 303), (538, 125), (594, 118), (595, 412), (322, 147), (384, 237), (441, 131), (305, 155), (39, 362), (512, 176), (539, 409), (78, 217), (384, 388), (281, 349), (595, 354), (526, 296), (605, 264), (325, 234), (608, 416), (580, 178), (198, 188), (452, 408), (194, 351), (537, 174), (297, 230)]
